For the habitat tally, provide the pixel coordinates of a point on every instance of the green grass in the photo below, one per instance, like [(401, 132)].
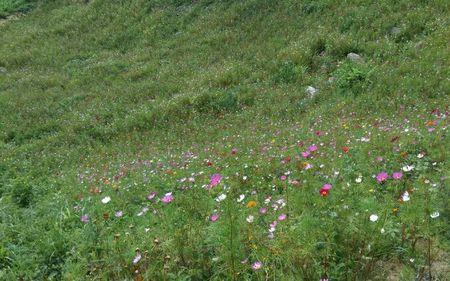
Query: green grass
[(8, 7), (123, 98)]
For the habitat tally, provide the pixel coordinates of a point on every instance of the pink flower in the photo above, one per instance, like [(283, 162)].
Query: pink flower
[(327, 186), (263, 211), (234, 151), (84, 218), (306, 154), (283, 178), (118, 214), (397, 175), (151, 195), (214, 217), (167, 198), (215, 180), (256, 265), (312, 148), (282, 217), (381, 177)]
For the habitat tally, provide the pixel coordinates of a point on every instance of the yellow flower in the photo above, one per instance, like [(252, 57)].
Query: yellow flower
[(251, 204)]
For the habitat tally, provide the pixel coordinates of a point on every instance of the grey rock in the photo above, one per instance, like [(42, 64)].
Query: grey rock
[(311, 91), (354, 57)]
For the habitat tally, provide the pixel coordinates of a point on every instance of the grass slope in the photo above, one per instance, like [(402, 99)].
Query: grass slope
[(120, 99)]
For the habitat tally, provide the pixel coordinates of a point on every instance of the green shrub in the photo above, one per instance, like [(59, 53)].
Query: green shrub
[(22, 192), (351, 76)]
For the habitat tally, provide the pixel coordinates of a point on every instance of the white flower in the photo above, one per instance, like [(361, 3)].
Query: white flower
[(407, 168), (382, 230), (250, 219), (405, 196), (358, 179), (241, 197), (420, 155), (434, 215), (373, 218), (221, 197), (106, 199)]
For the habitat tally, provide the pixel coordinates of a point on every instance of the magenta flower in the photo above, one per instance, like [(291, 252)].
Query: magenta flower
[(256, 265), (327, 186), (167, 198), (215, 180), (151, 195), (282, 217), (263, 211), (306, 154), (397, 175), (84, 218), (283, 178), (381, 177), (214, 217), (312, 148)]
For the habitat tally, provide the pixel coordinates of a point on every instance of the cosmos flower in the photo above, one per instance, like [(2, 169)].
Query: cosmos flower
[(84, 218), (434, 215), (221, 197), (167, 198), (138, 257), (397, 175), (282, 217), (214, 217), (251, 204), (312, 148), (325, 189), (373, 218), (408, 168), (283, 177), (215, 180), (382, 177), (306, 154), (405, 196), (151, 195), (256, 265)]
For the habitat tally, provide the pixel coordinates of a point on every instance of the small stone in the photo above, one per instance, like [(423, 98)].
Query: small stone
[(354, 57), (311, 91)]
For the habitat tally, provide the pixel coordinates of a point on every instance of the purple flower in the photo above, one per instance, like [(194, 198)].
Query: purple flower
[(151, 195), (327, 186), (167, 198), (397, 175), (118, 214), (84, 218), (282, 217), (215, 180), (306, 154), (312, 148), (381, 177), (263, 211)]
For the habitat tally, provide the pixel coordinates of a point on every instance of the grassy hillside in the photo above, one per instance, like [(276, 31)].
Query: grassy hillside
[(176, 140)]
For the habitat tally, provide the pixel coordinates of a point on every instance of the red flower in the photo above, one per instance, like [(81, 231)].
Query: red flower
[(345, 149), (324, 192)]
